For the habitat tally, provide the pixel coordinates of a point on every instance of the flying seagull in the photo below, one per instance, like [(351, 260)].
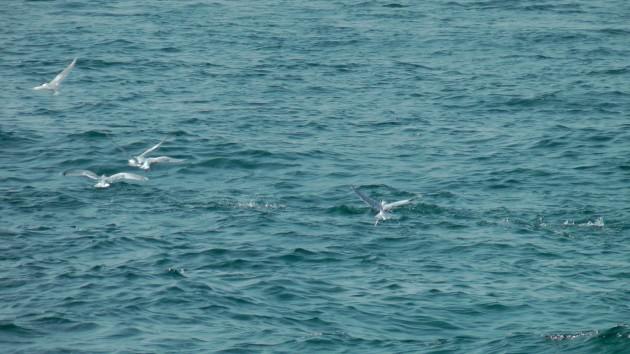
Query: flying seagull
[(144, 162), (105, 181), (54, 84), (382, 208)]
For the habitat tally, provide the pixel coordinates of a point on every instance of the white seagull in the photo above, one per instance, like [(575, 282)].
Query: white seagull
[(105, 181), (144, 162), (54, 84), (382, 208)]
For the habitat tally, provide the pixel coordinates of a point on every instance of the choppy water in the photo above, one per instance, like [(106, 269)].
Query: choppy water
[(507, 121)]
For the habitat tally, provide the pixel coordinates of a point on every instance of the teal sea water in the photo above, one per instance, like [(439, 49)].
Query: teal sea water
[(507, 121)]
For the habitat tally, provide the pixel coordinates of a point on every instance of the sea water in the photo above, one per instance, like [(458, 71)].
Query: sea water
[(507, 123)]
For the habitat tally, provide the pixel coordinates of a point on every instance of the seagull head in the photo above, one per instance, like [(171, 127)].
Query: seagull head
[(41, 87), (133, 162)]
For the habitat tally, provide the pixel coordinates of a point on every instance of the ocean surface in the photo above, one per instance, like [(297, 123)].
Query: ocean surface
[(507, 122)]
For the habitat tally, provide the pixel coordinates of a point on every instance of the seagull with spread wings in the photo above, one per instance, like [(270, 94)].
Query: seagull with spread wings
[(381, 208), (144, 162), (54, 84), (105, 181)]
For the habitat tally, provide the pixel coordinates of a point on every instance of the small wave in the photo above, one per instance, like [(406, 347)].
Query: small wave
[(395, 5), (550, 143), (16, 180), (232, 264), (117, 41), (10, 328), (89, 134), (611, 71), (345, 210), (559, 8), (74, 5), (257, 153), (7, 232), (125, 332), (54, 321), (281, 289), (615, 31), (413, 65), (92, 107), (99, 63), (11, 139), (170, 50), (304, 255), (220, 253), (229, 163), (537, 100)]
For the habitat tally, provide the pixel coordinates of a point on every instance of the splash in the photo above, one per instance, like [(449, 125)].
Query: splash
[(599, 222), (571, 336), (176, 271), (259, 205)]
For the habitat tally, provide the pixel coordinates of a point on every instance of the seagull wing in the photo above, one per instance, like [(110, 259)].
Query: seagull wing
[(62, 75), (163, 159), (40, 87), (86, 173), (151, 149), (124, 176), (369, 201), (390, 206)]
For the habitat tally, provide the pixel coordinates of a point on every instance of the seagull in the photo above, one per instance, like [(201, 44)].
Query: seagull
[(54, 84), (382, 208), (144, 162), (105, 181)]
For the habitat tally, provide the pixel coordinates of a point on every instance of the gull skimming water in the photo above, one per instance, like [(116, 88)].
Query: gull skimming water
[(382, 208), (105, 181), (143, 162), (54, 84)]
